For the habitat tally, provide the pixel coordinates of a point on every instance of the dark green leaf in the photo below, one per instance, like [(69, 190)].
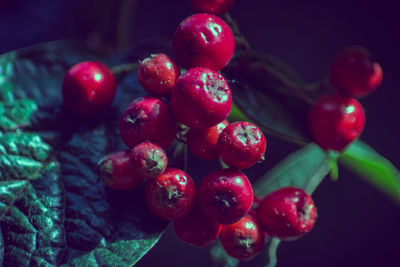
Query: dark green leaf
[(54, 209), (365, 161)]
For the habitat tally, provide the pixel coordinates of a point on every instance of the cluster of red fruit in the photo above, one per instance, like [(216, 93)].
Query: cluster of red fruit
[(201, 100), (337, 120)]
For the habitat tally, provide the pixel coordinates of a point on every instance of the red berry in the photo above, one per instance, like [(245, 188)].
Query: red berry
[(148, 119), (88, 88), (244, 239), (335, 121), (196, 229), (287, 213), (148, 160), (225, 196), (203, 142), (217, 7), (354, 73), (241, 144), (157, 74), (117, 172), (203, 40), (171, 195), (201, 98)]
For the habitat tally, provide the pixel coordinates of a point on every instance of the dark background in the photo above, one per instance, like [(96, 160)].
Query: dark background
[(357, 225)]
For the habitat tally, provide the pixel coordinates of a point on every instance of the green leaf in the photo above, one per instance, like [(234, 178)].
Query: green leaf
[(380, 172), (305, 169), (54, 208), (270, 94)]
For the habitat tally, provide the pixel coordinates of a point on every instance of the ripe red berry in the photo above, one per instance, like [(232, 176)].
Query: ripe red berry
[(196, 229), (241, 144), (157, 74), (287, 213), (244, 239), (171, 195), (117, 172), (203, 40), (201, 98), (88, 88), (354, 73), (225, 196), (335, 121), (148, 160), (203, 142), (148, 119), (217, 7)]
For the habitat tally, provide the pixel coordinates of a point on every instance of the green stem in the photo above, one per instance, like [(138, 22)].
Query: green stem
[(123, 69), (272, 252)]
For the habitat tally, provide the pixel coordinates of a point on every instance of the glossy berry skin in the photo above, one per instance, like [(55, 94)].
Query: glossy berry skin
[(335, 121), (148, 160), (225, 196), (201, 98), (243, 239), (287, 213), (241, 145), (88, 88), (354, 73), (117, 173), (203, 142), (157, 74), (171, 195), (216, 7), (196, 229), (203, 40), (148, 119)]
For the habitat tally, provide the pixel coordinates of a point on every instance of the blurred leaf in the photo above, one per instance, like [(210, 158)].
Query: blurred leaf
[(54, 208), (365, 161), (221, 258)]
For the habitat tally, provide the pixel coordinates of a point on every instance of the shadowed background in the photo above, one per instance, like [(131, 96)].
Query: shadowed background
[(357, 225)]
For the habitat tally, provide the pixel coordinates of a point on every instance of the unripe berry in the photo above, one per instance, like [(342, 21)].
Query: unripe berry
[(244, 239), (335, 121), (171, 195), (148, 119), (241, 145), (88, 88), (203, 142), (216, 7), (354, 73), (148, 160), (225, 196), (287, 213), (194, 228), (157, 74), (203, 40), (117, 173), (201, 98)]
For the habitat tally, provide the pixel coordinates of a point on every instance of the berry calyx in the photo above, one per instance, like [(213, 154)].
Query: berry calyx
[(148, 119), (201, 98), (241, 145), (216, 7), (244, 239), (354, 73), (196, 229), (203, 40), (203, 142), (117, 173), (157, 74), (225, 196), (335, 121), (171, 195), (88, 88), (287, 213), (148, 160)]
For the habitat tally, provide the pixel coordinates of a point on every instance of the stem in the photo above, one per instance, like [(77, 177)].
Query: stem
[(272, 252), (239, 38), (120, 70)]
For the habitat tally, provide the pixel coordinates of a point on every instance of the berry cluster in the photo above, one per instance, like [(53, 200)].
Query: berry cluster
[(199, 100), (338, 119)]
